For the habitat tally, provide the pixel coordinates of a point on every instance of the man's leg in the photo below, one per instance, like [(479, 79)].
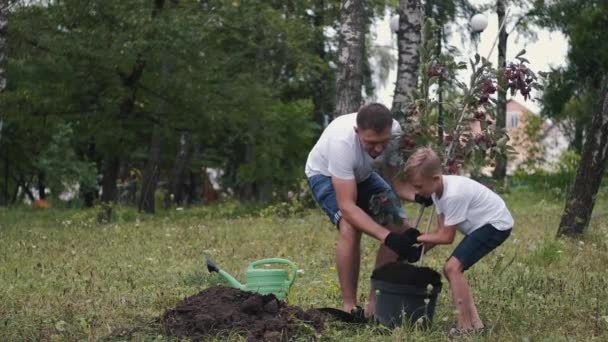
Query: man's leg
[(375, 185), (385, 255), (348, 259)]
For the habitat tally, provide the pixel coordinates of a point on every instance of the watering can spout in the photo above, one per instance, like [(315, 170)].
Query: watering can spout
[(231, 280), (212, 267)]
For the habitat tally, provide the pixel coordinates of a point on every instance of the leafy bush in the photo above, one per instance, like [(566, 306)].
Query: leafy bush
[(557, 180)]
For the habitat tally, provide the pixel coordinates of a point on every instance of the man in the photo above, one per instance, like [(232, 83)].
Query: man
[(342, 180)]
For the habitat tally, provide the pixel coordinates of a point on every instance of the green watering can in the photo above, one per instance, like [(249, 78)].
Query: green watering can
[(262, 280)]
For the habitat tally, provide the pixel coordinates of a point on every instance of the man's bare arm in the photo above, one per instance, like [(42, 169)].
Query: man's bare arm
[(346, 196)]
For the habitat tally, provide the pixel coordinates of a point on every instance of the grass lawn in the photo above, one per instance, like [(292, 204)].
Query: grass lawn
[(63, 277)]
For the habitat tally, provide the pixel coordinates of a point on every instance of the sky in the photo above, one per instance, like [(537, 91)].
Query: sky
[(548, 50)]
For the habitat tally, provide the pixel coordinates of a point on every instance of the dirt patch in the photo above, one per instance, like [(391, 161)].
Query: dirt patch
[(407, 274), (220, 311)]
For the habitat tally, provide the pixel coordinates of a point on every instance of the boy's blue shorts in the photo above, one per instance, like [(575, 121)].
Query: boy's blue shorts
[(478, 244), (325, 195)]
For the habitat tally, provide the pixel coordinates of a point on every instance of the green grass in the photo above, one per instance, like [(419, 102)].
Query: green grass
[(63, 277)]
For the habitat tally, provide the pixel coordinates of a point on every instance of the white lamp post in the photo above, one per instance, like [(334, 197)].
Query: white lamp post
[(478, 23)]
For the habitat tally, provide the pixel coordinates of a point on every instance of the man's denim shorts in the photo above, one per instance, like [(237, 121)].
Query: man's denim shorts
[(325, 195), (478, 244)]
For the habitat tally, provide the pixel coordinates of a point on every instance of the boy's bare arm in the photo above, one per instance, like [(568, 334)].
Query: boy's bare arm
[(444, 235)]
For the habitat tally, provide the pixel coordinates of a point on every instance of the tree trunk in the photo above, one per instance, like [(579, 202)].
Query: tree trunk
[(581, 198), (194, 193), (175, 188), (351, 47), (321, 102), (247, 189), (408, 42), (6, 196), (3, 49), (109, 190), (151, 173), (41, 186), (152, 170), (501, 107), (89, 195)]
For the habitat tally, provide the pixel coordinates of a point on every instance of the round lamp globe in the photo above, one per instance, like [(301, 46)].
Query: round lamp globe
[(479, 22)]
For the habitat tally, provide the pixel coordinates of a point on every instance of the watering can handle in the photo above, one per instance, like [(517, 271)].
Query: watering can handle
[(293, 267)]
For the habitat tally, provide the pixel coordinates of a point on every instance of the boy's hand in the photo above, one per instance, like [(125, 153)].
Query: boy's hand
[(400, 243), (426, 201)]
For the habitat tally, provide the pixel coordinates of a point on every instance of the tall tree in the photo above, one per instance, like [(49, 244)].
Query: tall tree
[(408, 42), (3, 49), (351, 52), (152, 169), (581, 88), (581, 198)]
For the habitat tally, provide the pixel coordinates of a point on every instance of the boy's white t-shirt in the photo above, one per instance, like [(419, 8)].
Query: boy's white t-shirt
[(339, 153), (471, 205)]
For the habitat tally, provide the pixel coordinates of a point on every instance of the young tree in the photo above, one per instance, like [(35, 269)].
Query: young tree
[(500, 170)]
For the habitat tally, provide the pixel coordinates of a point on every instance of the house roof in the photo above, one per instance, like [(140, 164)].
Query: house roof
[(516, 106)]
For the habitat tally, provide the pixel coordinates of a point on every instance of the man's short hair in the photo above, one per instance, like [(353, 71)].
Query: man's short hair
[(423, 161), (374, 116)]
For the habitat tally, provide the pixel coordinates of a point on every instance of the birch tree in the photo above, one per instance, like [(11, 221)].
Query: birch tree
[(351, 47), (408, 41)]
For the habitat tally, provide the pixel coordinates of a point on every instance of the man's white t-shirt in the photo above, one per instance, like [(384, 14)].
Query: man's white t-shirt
[(339, 153), (470, 205)]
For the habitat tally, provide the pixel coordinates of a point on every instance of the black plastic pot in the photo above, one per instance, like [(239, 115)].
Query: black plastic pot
[(398, 303)]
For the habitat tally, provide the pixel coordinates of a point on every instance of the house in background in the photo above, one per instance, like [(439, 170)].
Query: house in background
[(551, 144)]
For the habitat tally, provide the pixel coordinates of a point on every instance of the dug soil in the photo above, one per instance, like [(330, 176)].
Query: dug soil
[(407, 274), (222, 311)]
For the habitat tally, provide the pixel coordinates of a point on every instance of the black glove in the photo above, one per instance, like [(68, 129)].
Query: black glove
[(426, 201), (414, 253), (400, 243)]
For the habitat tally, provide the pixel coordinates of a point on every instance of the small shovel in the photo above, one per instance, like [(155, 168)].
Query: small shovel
[(342, 316)]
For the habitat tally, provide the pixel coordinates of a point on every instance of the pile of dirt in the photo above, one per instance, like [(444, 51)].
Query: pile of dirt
[(220, 311), (407, 274)]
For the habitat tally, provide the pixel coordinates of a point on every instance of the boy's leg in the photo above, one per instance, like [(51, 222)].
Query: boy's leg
[(470, 250), (348, 260), (461, 293)]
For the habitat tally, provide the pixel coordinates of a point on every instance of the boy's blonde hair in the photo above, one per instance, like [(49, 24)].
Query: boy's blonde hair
[(423, 161)]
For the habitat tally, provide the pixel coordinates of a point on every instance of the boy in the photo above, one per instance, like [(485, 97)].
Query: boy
[(465, 205)]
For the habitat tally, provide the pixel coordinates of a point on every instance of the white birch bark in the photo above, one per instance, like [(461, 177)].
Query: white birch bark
[(408, 42), (351, 47)]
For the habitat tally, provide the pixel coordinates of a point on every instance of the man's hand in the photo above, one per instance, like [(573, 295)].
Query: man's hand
[(414, 253), (400, 243), (426, 201)]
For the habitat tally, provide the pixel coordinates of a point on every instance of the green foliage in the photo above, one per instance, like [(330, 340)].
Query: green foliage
[(233, 74), (573, 91), (59, 161)]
